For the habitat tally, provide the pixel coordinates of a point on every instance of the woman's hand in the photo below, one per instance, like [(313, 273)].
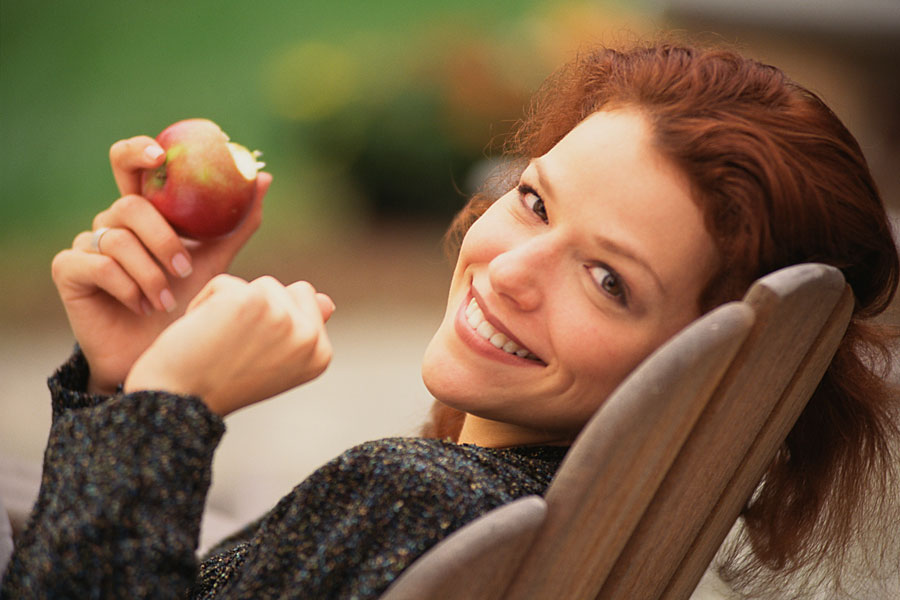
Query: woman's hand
[(239, 343), (120, 296)]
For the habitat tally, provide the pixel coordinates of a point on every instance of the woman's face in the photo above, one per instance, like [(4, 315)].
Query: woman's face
[(566, 283)]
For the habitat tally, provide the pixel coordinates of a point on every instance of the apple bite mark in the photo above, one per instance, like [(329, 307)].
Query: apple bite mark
[(245, 161)]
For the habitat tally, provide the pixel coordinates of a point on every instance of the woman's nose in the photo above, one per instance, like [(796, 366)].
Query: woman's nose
[(518, 274)]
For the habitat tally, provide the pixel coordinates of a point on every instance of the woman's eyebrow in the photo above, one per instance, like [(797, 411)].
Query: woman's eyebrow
[(630, 255)]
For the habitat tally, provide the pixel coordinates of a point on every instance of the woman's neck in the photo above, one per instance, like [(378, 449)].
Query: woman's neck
[(498, 434)]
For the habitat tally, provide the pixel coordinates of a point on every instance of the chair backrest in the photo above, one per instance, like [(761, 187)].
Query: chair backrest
[(801, 315), (658, 476)]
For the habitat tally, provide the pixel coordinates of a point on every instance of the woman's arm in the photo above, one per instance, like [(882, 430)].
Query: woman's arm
[(124, 484)]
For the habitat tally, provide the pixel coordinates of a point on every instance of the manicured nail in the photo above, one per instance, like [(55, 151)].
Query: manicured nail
[(167, 299), (182, 265), (146, 307), (153, 152)]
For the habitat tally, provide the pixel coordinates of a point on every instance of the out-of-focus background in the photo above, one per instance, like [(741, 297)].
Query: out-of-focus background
[(376, 119)]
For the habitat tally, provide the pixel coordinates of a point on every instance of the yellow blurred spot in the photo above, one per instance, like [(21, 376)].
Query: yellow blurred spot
[(311, 80)]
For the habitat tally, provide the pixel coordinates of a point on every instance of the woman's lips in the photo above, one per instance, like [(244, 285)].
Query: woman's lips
[(487, 339)]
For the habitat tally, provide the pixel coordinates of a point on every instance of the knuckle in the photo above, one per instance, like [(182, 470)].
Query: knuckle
[(100, 219), (282, 325), (107, 267), (266, 282), (58, 264), (121, 151), (115, 241), (254, 302), (117, 150), (129, 203), (82, 239), (220, 282), (305, 286), (307, 332), (220, 279)]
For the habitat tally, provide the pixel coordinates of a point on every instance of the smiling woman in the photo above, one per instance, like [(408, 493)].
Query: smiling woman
[(650, 185)]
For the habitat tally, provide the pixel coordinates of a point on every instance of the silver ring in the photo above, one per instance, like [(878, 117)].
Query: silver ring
[(95, 239)]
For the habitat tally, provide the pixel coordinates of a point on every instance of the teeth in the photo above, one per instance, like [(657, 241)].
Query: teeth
[(475, 318)]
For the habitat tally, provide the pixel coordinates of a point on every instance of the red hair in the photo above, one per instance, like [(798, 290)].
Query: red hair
[(780, 181)]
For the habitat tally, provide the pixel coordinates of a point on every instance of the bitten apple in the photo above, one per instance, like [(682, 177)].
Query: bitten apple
[(206, 185)]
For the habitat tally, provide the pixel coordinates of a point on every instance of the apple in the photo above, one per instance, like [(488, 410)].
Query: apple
[(207, 184)]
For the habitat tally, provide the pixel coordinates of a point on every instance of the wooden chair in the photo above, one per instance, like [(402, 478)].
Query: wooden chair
[(659, 475)]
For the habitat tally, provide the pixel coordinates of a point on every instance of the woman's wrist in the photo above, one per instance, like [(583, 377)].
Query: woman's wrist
[(140, 380), (98, 388)]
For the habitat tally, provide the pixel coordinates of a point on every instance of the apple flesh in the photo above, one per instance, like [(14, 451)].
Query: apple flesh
[(207, 184)]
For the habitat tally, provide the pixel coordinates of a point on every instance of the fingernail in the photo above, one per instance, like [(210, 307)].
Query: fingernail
[(167, 299), (146, 307), (182, 265), (153, 152)]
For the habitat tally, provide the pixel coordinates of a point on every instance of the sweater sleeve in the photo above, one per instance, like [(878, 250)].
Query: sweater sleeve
[(122, 493)]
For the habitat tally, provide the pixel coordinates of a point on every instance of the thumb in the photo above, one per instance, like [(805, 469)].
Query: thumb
[(215, 285), (231, 244)]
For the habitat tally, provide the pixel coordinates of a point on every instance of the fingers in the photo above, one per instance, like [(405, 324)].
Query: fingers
[(129, 157), (136, 215), (77, 273), (122, 247), (312, 327), (138, 246)]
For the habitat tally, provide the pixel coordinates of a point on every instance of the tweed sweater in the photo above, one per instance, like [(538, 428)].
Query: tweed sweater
[(126, 476)]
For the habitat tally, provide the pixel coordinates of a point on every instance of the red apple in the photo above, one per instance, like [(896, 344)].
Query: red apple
[(207, 184)]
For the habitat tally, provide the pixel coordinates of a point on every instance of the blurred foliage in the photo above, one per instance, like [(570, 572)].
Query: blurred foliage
[(365, 111)]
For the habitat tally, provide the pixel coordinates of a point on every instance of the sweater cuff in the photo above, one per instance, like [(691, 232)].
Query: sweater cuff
[(68, 391), (68, 385)]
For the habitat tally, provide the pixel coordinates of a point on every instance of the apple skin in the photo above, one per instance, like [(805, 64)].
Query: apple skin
[(198, 189)]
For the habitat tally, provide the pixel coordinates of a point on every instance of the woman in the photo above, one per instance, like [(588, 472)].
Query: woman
[(654, 184)]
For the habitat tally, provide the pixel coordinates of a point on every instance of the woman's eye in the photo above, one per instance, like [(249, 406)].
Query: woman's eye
[(533, 202), (608, 281)]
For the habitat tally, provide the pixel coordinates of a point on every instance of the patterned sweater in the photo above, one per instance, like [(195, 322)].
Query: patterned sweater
[(126, 476)]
